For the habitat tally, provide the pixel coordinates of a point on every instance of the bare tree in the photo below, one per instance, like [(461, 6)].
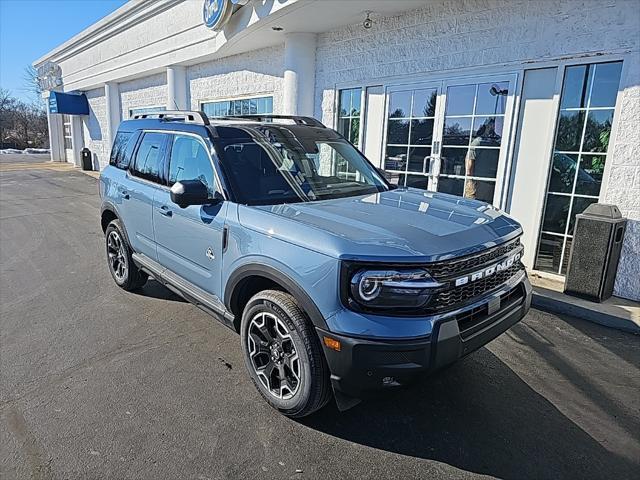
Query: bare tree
[(7, 107), (22, 124), (31, 84)]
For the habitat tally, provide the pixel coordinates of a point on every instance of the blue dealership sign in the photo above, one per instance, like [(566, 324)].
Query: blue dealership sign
[(216, 13)]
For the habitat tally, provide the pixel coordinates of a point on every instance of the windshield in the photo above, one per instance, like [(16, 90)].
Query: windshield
[(273, 164)]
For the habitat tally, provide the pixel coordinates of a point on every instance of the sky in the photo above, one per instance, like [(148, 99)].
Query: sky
[(31, 28)]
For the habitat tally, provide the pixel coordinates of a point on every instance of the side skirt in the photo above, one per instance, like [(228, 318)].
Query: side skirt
[(193, 294)]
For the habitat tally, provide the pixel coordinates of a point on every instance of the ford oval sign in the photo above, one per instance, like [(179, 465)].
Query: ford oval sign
[(216, 13)]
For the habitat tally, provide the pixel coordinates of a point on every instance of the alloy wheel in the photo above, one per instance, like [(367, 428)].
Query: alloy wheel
[(273, 355), (117, 256)]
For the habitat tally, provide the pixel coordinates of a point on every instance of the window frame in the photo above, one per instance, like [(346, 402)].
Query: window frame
[(169, 148)]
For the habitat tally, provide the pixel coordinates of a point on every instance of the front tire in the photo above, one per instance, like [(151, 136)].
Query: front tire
[(283, 354), (124, 272)]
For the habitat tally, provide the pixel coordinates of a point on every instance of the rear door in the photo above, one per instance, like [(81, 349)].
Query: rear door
[(144, 179), (189, 240)]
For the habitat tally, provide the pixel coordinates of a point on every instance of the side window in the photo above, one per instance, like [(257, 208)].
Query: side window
[(190, 161), (148, 164), (123, 148), (119, 146)]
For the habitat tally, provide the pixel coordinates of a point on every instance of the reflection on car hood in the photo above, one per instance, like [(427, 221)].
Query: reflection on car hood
[(398, 225)]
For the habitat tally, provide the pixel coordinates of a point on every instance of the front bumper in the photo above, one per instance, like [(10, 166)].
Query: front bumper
[(365, 365)]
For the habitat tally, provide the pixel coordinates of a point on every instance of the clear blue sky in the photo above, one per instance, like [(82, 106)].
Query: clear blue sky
[(31, 28)]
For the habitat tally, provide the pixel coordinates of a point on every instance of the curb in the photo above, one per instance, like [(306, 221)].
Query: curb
[(613, 317), (91, 173)]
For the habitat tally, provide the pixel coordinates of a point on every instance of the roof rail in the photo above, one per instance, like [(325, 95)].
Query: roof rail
[(298, 120), (186, 116)]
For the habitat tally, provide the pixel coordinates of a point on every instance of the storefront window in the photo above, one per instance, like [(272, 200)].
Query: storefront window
[(143, 110), (348, 126), (244, 106), (580, 153)]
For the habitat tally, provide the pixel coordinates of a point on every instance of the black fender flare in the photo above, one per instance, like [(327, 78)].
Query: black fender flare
[(275, 275), (112, 208)]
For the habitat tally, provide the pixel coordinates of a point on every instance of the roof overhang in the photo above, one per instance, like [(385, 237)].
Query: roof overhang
[(249, 28)]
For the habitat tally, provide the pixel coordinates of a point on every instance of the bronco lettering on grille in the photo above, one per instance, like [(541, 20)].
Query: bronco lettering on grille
[(487, 272)]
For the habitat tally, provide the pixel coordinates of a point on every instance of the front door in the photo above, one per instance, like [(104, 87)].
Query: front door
[(67, 129), (189, 240), (411, 134), (450, 136)]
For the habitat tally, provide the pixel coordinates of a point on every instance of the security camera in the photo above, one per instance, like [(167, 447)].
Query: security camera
[(368, 23)]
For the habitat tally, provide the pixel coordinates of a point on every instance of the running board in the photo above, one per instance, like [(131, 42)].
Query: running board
[(190, 292)]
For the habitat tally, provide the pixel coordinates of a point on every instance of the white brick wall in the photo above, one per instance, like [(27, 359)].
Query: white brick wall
[(254, 73), (143, 92), (624, 180), (457, 34), (95, 127)]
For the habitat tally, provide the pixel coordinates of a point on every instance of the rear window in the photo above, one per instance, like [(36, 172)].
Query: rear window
[(122, 150)]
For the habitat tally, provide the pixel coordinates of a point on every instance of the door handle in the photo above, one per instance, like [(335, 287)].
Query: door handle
[(125, 194), (164, 210)]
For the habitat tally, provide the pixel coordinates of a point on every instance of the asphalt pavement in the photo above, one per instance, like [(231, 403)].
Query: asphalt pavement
[(97, 383)]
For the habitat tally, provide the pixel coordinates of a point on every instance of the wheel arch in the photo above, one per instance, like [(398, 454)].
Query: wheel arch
[(250, 279), (109, 213)]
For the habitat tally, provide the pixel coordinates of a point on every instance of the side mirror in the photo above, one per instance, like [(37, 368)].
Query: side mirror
[(192, 192)]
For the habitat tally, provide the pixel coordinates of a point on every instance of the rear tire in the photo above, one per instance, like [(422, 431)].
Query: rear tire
[(125, 273), (283, 354)]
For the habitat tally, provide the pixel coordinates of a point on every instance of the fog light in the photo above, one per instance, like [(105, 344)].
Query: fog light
[(388, 381), (332, 343)]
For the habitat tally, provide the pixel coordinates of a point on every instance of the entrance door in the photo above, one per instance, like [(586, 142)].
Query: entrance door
[(474, 135), (68, 141), (450, 136), (411, 133)]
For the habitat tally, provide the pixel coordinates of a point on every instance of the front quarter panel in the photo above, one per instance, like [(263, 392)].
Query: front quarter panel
[(314, 273)]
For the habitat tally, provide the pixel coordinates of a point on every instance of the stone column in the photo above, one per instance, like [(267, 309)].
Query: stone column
[(114, 115), (177, 88), (56, 139), (299, 74)]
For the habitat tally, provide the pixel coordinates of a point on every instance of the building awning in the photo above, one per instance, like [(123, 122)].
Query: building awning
[(68, 103)]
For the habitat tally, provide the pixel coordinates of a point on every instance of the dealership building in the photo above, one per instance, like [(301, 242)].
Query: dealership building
[(533, 106)]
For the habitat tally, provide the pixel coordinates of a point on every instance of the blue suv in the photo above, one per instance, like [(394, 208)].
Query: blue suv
[(339, 283)]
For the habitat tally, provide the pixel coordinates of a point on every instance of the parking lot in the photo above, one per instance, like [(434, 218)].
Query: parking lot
[(100, 383)]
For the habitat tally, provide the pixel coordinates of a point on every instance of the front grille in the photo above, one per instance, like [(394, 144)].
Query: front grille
[(450, 268), (458, 296), (477, 319)]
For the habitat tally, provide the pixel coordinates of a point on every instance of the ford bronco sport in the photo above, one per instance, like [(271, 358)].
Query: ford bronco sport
[(339, 283)]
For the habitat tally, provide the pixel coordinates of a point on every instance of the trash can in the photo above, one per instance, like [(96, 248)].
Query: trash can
[(87, 161), (595, 252)]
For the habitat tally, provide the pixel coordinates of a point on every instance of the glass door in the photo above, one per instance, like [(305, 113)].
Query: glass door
[(410, 134), (68, 141), (450, 136), (474, 137)]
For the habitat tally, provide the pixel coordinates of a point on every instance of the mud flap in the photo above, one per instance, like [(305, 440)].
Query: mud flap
[(345, 402)]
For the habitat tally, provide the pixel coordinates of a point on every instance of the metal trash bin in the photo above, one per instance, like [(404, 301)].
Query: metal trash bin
[(595, 252), (87, 161)]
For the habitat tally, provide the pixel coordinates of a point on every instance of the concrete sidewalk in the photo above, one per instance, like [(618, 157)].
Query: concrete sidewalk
[(615, 312)]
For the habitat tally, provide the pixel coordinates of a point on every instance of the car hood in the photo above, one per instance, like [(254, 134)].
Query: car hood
[(399, 225)]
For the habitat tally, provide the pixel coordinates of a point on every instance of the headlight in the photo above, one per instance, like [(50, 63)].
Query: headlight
[(394, 288)]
